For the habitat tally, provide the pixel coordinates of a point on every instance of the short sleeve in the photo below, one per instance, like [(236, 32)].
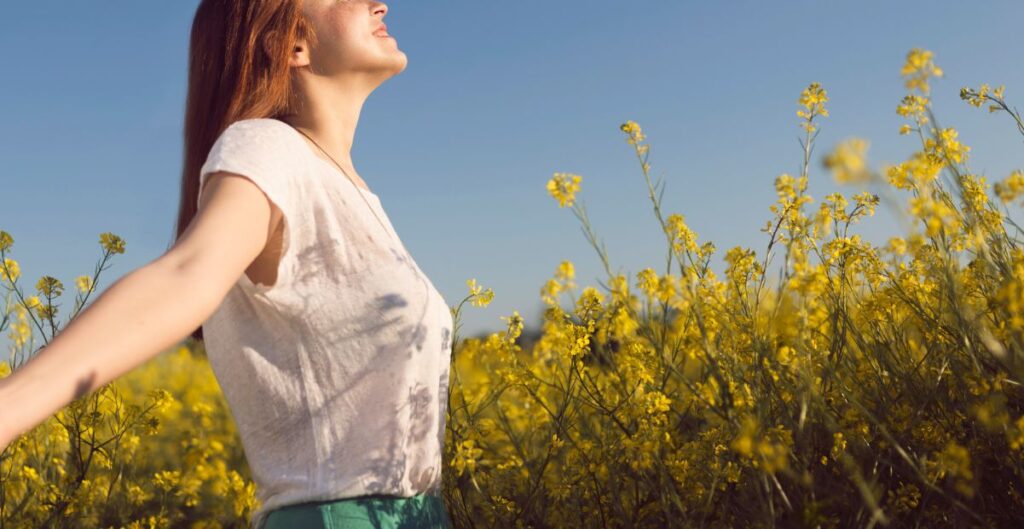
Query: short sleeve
[(268, 153), (262, 149)]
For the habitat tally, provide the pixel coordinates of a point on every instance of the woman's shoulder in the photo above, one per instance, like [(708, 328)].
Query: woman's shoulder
[(267, 150), (260, 138), (260, 127)]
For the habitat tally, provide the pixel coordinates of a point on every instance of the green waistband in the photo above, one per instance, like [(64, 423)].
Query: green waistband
[(375, 511)]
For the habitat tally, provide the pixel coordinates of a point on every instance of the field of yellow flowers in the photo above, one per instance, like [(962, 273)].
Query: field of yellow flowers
[(862, 386)]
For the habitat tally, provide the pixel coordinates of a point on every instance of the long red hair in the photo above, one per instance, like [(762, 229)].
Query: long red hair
[(237, 69)]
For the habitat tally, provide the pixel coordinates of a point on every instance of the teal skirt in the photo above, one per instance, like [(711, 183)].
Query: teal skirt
[(377, 511)]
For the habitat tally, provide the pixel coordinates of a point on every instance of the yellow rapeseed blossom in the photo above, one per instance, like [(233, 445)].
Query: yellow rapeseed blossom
[(681, 235), (49, 286), (590, 303), (466, 456), (936, 214), (550, 291), (9, 270), (112, 243), (920, 170), (657, 402), (167, 480), (947, 147), (954, 461), (913, 106), (904, 499), (838, 446), (847, 161), (514, 326), (565, 273), (647, 281), (1016, 434), (813, 99), (6, 241), (918, 68), (479, 296), (1011, 188), (563, 187), (978, 97), (710, 390), (754, 445), (161, 399), (84, 284), (634, 134), (622, 324), (897, 245)]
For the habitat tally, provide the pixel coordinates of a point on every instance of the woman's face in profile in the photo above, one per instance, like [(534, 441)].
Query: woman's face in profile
[(350, 38)]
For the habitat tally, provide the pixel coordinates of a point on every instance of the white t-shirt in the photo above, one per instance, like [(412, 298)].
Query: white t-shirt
[(337, 375)]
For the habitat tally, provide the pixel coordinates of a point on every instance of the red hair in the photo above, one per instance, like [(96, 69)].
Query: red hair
[(237, 69)]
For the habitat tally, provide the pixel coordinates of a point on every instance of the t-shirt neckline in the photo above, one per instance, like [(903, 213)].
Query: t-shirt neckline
[(359, 189), (309, 150)]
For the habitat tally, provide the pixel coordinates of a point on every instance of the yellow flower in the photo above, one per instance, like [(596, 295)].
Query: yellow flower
[(1016, 434), (977, 98), (161, 399), (515, 326), (897, 245), (6, 241), (589, 303), (167, 479), (565, 272), (915, 173), (84, 284), (710, 390), (937, 215), (632, 129), (50, 287), (1011, 188), (480, 297), (913, 105), (847, 162), (838, 445), (136, 495), (466, 456), (550, 291), (112, 243), (918, 68), (647, 280), (745, 441), (28, 473), (9, 270), (947, 147), (681, 234), (622, 324), (657, 402), (813, 99), (563, 187), (784, 354)]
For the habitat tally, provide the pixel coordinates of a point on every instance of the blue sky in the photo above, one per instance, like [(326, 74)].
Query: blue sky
[(497, 97)]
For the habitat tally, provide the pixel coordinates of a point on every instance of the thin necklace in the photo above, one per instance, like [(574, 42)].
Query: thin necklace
[(346, 176)]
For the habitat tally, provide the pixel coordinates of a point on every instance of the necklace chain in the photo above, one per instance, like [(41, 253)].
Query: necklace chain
[(349, 178)]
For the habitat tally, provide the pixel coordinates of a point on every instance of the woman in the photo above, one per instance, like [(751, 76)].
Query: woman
[(330, 344)]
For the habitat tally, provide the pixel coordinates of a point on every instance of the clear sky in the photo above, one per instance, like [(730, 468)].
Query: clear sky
[(497, 97)]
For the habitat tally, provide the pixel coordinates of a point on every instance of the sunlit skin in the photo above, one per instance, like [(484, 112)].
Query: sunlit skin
[(333, 76)]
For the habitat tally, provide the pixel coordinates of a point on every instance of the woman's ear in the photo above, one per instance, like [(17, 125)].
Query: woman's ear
[(299, 54)]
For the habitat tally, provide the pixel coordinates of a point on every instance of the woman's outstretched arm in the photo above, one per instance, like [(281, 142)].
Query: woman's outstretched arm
[(146, 311)]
